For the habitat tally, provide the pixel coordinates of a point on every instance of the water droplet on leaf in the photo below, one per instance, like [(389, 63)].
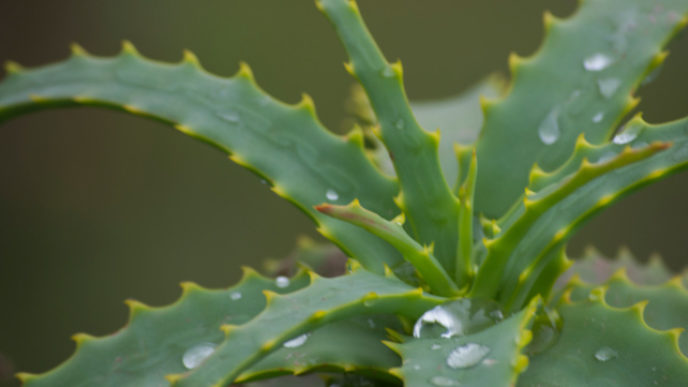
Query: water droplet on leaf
[(597, 62), (549, 128), (231, 117), (457, 318), (598, 117), (331, 195), (605, 354), (400, 124), (282, 281), (195, 355), (296, 342), (627, 134), (443, 381), (387, 72), (235, 296), (608, 86), (435, 347), (467, 355)]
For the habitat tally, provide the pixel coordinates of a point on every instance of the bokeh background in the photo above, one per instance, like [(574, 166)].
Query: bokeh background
[(97, 206)]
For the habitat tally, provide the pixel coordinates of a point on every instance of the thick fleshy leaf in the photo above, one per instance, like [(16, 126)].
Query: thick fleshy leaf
[(157, 340), (601, 345), (580, 81), (489, 358), (288, 317), (427, 200), (287, 145)]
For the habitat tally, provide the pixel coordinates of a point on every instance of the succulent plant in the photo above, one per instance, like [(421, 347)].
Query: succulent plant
[(456, 242)]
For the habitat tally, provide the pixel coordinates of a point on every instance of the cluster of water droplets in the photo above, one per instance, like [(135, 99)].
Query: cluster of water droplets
[(605, 354)]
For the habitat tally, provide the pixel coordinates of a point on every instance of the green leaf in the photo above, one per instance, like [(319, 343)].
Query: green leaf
[(352, 345), (289, 316), (287, 145), (553, 96), (600, 345), (427, 200), (542, 221), (667, 303), (489, 358), (154, 342), (392, 232), (595, 268)]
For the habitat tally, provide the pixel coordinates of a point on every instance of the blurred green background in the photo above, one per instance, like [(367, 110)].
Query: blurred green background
[(96, 206)]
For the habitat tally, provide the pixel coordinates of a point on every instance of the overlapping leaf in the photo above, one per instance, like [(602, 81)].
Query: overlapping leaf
[(286, 144)]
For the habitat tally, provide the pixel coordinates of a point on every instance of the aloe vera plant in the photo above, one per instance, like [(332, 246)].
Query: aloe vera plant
[(455, 238)]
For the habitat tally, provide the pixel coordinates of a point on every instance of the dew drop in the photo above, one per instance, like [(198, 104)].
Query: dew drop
[(231, 117), (282, 282), (457, 318), (605, 354), (598, 117), (546, 328), (371, 323), (443, 381), (400, 124), (467, 355), (606, 156), (435, 347), (608, 86), (549, 128), (597, 62), (627, 134), (296, 342), (331, 195), (235, 296), (195, 355)]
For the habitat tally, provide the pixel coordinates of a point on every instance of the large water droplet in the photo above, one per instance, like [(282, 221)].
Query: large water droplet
[(444, 381), (549, 128), (296, 342), (598, 117), (457, 318), (608, 86), (195, 355), (331, 195), (467, 355), (597, 62), (235, 295), (627, 134), (546, 328), (605, 354), (282, 281)]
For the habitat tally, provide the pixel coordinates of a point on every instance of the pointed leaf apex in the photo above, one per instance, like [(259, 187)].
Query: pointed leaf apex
[(188, 286), (399, 219), (548, 19), (318, 315), (135, 307), (227, 329), (307, 103), (313, 276), (520, 364), (356, 136), (248, 272), (81, 338), (349, 67), (244, 71), (25, 377), (397, 68), (191, 58), (355, 203), (13, 67), (77, 50), (581, 142), (128, 48), (269, 295), (485, 103), (514, 61), (389, 273), (620, 275), (353, 265)]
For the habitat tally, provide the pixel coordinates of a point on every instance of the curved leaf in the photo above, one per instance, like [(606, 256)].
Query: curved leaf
[(286, 144), (290, 316), (600, 345), (489, 358), (427, 200), (580, 81), (154, 342)]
